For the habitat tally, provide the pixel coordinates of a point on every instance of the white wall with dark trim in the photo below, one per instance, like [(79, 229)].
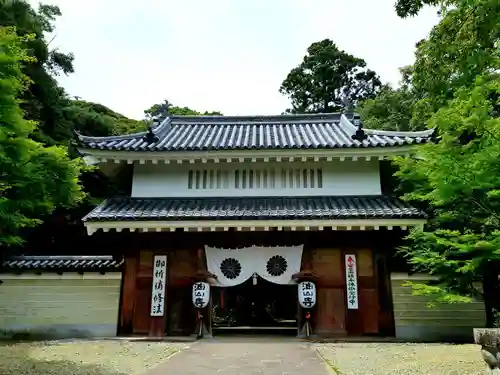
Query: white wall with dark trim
[(340, 178)]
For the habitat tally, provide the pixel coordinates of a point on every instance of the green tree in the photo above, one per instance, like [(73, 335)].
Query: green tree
[(396, 109), (458, 177), (34, 179), (328, 80), (44, 101), (160, 111), (98, 120), (391, 109), (409, 8), (461, 47)]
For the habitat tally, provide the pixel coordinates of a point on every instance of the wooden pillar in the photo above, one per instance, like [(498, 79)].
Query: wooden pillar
[(384, 290), (128, 295), (157, 326)]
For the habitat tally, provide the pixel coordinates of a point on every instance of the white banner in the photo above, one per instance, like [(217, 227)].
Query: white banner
[(158, 290), (235, 266), (351, 276)]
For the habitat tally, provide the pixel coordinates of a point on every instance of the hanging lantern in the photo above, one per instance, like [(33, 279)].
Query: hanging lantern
[(201, 294), (307, 294)]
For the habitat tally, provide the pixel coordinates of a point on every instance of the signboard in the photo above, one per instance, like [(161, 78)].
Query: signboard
[(307, 294), (158, 290), (201, 294), (351, 276)]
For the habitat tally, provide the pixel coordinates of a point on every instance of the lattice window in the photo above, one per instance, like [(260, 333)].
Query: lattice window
[(248, 178), (301, 178), (208, 179)]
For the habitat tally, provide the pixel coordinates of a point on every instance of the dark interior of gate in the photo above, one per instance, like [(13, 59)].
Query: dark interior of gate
[(258, 304), (255, 306)]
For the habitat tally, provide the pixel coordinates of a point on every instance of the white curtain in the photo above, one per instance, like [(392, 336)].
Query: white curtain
[(254, 259), (243, 257), (292, 256)]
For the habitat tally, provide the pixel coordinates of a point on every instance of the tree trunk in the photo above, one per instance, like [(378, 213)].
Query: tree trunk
[(491, 289)]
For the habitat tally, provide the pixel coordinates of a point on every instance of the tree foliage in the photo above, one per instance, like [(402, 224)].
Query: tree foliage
[(409, 8), (392, 109), (98, 120), (456, 88), (328, 80), (461, 47), (34, 179), (44, 101), (459, 177), (160, 111)]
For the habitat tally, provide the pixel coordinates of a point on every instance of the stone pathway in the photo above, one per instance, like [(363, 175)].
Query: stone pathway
[(244, 357)]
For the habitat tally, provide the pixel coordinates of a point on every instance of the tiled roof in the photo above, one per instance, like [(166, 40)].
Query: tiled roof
[(255, 208), (62, 263), (212, 133)]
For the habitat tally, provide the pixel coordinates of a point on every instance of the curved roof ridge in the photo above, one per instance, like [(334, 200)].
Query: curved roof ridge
[(347, 124), (267, 119), (157, 128)]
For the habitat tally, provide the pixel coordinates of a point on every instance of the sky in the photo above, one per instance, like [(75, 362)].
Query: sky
[(224, 55)]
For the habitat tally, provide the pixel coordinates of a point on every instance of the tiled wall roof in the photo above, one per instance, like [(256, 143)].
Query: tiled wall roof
[(62, 263)]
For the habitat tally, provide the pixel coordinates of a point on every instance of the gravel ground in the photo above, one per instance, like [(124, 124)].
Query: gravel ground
[(407, 359), (83, 357)]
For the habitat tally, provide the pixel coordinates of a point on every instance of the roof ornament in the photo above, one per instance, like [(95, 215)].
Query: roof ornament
[(360, 134), (150, 136)]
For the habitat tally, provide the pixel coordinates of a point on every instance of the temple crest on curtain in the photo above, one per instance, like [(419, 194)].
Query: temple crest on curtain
[(235, 266)]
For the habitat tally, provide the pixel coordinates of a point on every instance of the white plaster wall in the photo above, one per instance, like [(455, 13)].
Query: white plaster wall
[(339, 178)]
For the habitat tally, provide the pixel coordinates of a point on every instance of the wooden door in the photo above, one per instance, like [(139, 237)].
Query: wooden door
[(329, 314)]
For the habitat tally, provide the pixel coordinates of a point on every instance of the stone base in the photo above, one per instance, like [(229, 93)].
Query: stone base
[(442, 333), (57, 331), (489, 339)]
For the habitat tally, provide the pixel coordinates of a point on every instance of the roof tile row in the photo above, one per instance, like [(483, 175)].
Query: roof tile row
[(62, 263), (255, 208), (212, 133)]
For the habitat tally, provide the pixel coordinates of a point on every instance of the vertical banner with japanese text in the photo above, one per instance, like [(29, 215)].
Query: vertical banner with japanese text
[(351, 276), (158, 289)]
